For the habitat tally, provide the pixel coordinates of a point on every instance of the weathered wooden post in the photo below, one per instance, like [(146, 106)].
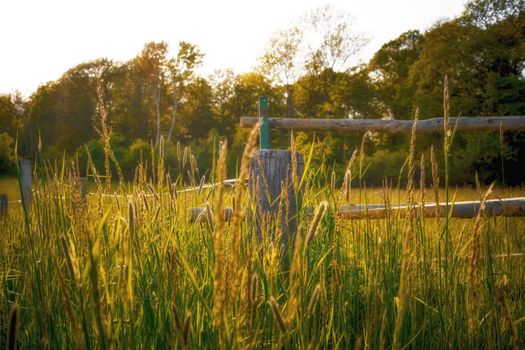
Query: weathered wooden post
[(83, 188), (26, 177), (3, 204), (273, 180)]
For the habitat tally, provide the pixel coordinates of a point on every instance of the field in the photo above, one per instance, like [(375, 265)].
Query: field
[(131, 271), (10, 186)]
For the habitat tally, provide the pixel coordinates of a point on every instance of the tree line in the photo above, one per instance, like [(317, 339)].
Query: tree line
[(158, 98)]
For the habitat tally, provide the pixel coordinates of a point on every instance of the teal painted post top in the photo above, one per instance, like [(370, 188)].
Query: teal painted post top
[(264, 135)]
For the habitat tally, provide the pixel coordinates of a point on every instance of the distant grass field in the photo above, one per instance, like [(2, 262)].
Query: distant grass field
[(9, 185), (131, 271)]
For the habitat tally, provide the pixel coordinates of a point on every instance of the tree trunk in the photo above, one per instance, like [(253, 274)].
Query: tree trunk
[(174, 111), (290, 110), (156, 95)]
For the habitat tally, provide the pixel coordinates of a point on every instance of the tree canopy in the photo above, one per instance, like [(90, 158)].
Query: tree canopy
[(308, 71)]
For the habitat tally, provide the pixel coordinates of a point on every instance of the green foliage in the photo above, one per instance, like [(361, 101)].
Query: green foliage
[(384, 164), (126, 269), (487, 12), (158, 94), (7, 153), (12, 111), (390, 68)]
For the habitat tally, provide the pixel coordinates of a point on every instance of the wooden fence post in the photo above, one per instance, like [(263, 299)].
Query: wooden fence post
[(83, 188), (3, 204), (26, 176), (264, 131), (273, 189)]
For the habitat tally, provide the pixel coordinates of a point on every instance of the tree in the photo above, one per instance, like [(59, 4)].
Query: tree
[(281, 62), (333, 41), (182, 69), (196, 111), (246, 91), (12, 112), (152, 64), (64, 113), (320, 42), (389, 69), (355, 95), (222, 83), (7, 154), (484, 13)]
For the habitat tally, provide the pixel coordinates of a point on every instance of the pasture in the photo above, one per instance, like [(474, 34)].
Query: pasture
[(126, 268)]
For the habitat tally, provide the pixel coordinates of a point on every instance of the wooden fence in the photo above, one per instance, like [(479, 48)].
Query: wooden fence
[(505, 207), (270, 170)]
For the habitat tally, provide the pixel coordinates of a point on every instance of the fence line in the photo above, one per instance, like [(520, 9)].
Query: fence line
[(492, 123), (467, 209)]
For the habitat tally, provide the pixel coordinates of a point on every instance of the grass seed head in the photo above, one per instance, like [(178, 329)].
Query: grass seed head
[(277, 315), (319, 214), (13, 327), (314, 299)]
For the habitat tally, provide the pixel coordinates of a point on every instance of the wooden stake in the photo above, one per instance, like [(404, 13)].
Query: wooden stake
[(26, 176), (272, 189), (264, 132), (83, 188), (3, 204)]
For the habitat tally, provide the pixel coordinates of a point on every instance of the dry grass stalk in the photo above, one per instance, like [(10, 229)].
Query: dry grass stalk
[(209, 217), (132, 215), (383, 329), (319, 214), (347, 181), (422, 185), (71, 259), (254, 289), (178, 327), (96, 299), (507, 315), (238, 215), (435, 179), (313, 300), (67, 302), (186, 327), (295, 180), (411, 153), (404, 283), (362, 154), (276, 310), (297, 276), (220, 279), (473, 277), (13, 327), (446, 116), (228, 270)]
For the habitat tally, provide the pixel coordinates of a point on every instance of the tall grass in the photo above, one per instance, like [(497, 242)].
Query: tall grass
[(127, 269)]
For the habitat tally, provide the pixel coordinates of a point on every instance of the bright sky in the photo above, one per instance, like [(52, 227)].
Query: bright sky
[(41, 39)]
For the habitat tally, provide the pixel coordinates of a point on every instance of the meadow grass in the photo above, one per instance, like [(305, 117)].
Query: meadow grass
[(126, 269), (9, 185)]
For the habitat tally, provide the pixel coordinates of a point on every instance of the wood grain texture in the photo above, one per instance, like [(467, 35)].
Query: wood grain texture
[(468, 209), (272, 190), (26, 177), (495, 207), (391, 126), (3, 203)]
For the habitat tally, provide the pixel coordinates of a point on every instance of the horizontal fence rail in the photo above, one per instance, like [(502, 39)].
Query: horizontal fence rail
[(468, 209), (391, 126)]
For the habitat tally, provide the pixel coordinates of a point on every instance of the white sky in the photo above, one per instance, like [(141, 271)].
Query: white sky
[(41, 39)]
